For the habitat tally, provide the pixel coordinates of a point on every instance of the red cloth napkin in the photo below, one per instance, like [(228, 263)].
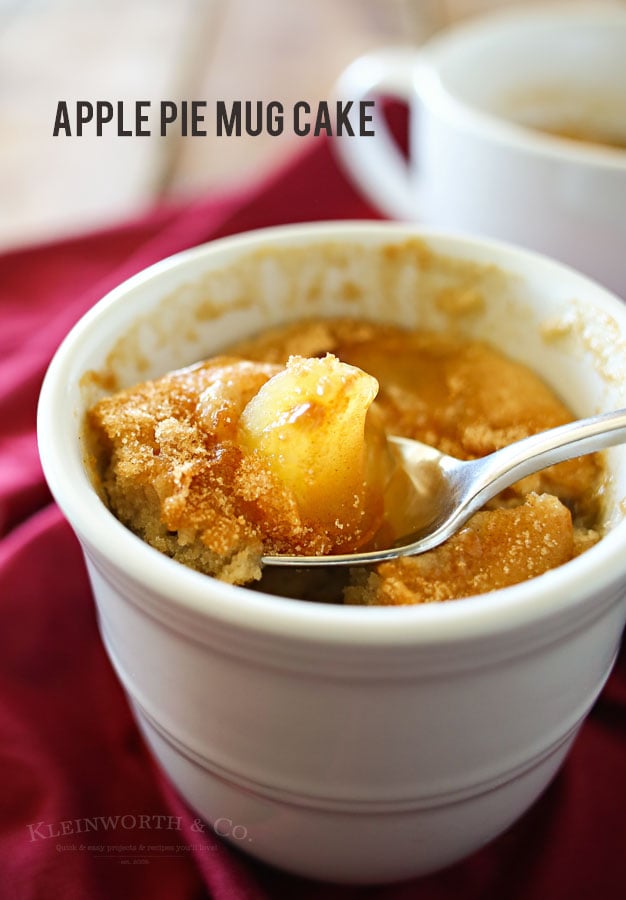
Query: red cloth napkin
[(79, 793)]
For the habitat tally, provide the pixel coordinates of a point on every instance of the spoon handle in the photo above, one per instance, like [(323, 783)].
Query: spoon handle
[(506, 466)]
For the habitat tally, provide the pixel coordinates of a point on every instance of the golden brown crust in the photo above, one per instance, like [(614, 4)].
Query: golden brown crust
[(163, 473), (495, 549), (174, 470)]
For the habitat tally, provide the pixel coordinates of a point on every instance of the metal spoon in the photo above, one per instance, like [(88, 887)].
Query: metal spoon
[(447, 491)]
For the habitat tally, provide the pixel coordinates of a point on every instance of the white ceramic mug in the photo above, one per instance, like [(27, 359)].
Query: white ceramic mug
[(477, 162), (356, 744)]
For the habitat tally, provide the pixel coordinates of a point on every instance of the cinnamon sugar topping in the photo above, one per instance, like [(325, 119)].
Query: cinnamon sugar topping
[(271, 449)]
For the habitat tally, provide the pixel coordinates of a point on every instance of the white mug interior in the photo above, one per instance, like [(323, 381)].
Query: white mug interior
[(540, 70), (484, 97)]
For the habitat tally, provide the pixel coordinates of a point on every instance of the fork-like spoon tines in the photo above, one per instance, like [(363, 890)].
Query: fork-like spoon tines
[(447, 491)]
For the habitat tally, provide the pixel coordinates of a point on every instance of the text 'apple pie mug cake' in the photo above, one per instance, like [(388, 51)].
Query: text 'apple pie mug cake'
[(278, 446)]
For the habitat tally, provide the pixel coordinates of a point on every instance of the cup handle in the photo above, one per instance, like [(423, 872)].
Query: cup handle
[(375, 163)]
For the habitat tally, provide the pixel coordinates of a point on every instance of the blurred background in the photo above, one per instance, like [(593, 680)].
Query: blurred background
[(285, 50)]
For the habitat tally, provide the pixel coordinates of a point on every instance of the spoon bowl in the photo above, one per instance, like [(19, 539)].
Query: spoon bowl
[(446, 492)]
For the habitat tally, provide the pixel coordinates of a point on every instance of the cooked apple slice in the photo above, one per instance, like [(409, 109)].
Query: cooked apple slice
[(309, 423)]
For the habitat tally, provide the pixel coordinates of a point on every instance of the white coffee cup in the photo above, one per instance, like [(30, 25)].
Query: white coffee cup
[(477, 162)]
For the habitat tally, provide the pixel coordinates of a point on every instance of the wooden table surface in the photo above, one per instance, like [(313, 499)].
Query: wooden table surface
[(53, 50)]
